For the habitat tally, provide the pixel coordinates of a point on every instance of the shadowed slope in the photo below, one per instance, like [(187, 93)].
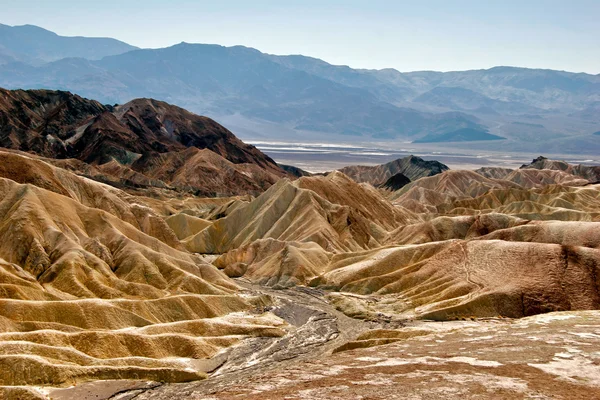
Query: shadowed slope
[(395, 182)]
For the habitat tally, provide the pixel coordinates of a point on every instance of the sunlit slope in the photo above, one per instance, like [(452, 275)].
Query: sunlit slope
[(334, 212), (480, 247), (100, 283), (90, 288), (480, 278)]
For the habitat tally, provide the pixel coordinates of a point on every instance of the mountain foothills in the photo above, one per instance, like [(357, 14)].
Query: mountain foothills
[(279, 97), (143, 242)]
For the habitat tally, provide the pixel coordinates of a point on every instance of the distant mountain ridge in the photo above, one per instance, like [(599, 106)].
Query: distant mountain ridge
[(217, 80), (460, 135), (284, 96), (32, 44)]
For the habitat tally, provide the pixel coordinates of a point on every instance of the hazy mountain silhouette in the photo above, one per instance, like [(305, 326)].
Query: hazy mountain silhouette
[(31, 43), (218, 80), (299, 94), (460, 135)]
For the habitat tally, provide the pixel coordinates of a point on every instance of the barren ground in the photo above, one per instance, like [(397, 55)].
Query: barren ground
[(550, 356)]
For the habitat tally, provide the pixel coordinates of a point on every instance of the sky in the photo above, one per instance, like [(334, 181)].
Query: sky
[(415, 35)]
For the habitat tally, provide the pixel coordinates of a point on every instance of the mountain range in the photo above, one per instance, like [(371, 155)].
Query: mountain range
[(34, 45), (293, 97)]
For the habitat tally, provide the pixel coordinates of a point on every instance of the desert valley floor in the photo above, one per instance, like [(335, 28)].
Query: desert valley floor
[(148, 253)]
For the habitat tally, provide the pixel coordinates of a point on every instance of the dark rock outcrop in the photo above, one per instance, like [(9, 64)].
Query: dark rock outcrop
[(395, 182), (412, 167)]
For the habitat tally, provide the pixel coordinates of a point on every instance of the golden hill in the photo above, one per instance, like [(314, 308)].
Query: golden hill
[(94, 286), (448, 263), (334, 212), (480, 278)]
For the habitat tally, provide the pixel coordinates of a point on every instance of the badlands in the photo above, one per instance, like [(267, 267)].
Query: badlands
[(146, 252)]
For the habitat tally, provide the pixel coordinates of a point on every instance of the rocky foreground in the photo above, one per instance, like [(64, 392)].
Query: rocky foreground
[(120, 279), (552, 356), (549, 356)]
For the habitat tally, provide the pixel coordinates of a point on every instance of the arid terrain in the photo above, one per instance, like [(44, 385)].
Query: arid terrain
[(146, 252)]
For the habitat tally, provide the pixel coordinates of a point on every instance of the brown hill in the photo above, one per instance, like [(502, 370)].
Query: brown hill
[(412, 167), (41, 120), (450, 187), (483, 278), (134, 143), (591, 173), (166, 128), (333, 211)]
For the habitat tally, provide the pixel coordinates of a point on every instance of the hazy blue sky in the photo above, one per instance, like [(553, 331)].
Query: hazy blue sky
[(406, 35)]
